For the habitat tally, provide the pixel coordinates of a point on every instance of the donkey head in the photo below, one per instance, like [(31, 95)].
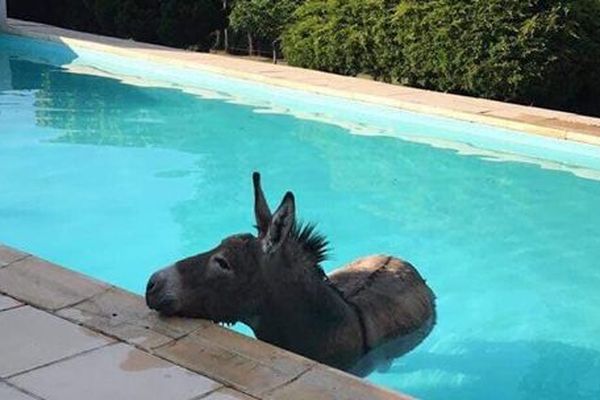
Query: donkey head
[(227, 284)]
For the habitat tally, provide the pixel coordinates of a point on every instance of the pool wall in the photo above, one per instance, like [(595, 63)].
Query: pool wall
[(2, 13)]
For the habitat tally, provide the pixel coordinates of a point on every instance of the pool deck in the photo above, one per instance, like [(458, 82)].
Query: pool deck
[(557, 124), (64, 336)]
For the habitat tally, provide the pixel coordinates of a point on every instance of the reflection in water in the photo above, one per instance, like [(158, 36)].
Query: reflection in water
[(5, 73), (511, 370), (116, 179)]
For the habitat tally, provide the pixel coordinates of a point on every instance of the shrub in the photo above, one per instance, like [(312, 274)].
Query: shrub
[(262, 20), (544, 52), (342, 36)]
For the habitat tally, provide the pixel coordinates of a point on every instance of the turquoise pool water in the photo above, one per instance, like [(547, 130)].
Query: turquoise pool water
[(116, 176)]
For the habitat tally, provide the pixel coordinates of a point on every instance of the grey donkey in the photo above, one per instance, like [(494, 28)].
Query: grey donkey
[(360, 316)]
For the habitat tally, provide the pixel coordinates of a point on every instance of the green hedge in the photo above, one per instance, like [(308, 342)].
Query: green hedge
[(543, 52), (341, 36)]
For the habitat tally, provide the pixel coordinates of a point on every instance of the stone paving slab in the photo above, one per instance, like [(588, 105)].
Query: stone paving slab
[(125, 315), (46, 285), (116, 372), (10, 393), (8, 302), (240, 371), (9, 255), (557, 124), (30, 338), (227, 394), (324, 383), (278, 359), (100, 316)]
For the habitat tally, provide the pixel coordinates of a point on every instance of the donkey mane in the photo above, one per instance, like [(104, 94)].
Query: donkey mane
[(313, 242), (317, 246)]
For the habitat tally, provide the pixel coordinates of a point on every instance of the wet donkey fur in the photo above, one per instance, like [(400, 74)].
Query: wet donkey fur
[(375, 309)]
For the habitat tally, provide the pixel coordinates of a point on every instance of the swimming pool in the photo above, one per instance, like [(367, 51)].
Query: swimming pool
[(115, 169)]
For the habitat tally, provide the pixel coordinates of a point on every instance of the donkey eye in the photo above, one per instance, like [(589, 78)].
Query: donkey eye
[(223, 264)]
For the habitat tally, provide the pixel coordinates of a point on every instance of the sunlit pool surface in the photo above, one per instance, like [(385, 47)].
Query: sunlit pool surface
[(116, 176)]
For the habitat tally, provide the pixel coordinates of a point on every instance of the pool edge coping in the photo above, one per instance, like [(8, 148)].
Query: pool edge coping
[(251, 367), (532, 120)]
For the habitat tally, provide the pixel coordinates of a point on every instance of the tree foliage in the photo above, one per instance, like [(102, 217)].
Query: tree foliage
[(264, 19)]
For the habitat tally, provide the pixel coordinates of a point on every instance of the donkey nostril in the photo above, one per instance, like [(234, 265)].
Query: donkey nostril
[(153, 290), (153, 284)]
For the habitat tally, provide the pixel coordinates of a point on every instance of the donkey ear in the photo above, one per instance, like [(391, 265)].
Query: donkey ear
[(261, 208), (281, 224)]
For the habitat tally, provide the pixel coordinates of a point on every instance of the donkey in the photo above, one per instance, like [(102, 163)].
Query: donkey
[(370, 311)]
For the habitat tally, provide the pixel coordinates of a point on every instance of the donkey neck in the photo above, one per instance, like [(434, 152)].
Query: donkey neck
[(305, 314)]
